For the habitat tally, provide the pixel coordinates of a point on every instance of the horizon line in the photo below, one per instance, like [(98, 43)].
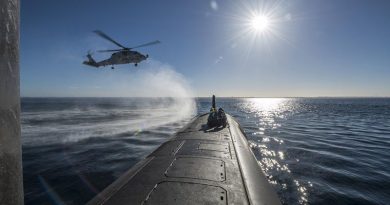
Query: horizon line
[(205, 97)]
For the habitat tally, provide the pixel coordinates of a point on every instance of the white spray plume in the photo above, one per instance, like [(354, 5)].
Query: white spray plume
[(172, 102), (161, 80)]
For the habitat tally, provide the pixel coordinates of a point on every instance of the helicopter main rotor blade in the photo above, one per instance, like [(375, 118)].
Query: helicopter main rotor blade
[(112, 50), (146, 44), (105, 36)]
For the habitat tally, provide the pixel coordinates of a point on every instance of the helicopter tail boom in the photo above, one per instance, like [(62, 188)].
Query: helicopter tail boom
[(91, 61)]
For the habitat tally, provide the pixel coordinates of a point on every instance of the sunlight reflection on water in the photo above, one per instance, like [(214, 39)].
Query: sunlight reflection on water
[(268, 111)]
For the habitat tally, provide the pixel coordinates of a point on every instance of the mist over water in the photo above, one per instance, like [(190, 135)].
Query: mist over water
[(81, 119), (163, 97)]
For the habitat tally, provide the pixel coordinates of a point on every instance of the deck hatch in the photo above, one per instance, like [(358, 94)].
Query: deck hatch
[(201, 148), (214, 147), (186, 193), (197, 168)]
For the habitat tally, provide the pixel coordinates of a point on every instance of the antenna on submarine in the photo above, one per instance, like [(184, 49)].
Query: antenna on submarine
[(213, 103)]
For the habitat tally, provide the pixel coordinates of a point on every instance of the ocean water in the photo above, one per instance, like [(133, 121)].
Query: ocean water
[(313, 150)]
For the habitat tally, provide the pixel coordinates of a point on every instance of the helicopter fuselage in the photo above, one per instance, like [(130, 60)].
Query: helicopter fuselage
[(124, 57), (121, 57)]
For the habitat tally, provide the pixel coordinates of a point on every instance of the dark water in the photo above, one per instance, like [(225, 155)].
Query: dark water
[(314, 151)]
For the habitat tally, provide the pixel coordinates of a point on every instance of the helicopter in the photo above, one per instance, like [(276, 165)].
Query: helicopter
[(122, 55)]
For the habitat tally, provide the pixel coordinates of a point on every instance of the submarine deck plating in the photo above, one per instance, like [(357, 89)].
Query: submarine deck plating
[(198, 165)]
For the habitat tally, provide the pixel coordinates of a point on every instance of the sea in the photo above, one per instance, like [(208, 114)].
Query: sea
[(312, 150)]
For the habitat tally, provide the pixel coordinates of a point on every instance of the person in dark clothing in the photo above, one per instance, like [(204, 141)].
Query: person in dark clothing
[(216, 118)]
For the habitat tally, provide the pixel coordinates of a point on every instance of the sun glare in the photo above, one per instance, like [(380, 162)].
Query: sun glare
[(260, 23)]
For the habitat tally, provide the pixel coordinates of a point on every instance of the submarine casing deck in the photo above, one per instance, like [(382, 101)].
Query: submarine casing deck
[(197, 165)]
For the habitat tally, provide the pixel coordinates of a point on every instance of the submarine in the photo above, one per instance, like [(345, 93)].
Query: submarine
[(209, 161)]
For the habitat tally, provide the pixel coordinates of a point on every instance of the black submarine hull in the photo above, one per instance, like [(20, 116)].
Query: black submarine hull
[(198, 165)]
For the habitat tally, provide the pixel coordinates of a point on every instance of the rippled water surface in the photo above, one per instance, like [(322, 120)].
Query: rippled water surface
[(313, 150)]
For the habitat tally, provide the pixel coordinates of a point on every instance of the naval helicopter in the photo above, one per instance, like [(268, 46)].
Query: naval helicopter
[(122, 55)]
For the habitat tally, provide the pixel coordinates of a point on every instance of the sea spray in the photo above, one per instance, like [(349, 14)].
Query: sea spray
[(153, 96), (163, 81)]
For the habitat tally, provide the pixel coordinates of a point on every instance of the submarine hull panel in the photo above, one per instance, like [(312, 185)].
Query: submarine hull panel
[(198, 165)]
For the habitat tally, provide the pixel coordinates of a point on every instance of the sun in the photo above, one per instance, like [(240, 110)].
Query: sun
[(260, 23)]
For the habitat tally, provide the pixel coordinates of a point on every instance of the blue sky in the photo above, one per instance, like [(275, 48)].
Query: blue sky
[(310, 48)]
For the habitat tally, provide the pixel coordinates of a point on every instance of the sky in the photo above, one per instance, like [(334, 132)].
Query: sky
[(301, 48)]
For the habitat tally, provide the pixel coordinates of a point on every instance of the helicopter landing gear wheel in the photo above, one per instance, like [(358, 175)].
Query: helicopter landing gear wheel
[(136, 64)]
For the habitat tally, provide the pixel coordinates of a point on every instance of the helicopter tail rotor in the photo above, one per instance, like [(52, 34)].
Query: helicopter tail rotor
[(90, 61)]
